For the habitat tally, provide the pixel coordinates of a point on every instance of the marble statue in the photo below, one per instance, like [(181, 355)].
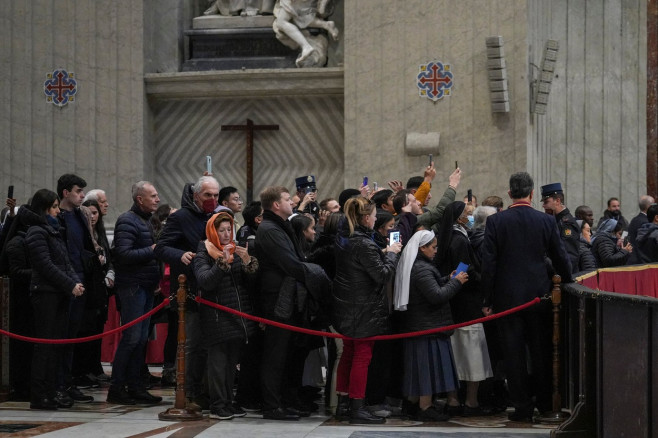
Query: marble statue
[(293, 17), (244, 8)]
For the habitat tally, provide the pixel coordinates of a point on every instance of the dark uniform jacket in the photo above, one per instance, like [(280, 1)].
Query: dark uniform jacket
[(570, 234), (513, 268), (224, 284), (360, 305), (429, 298), (635, 225)]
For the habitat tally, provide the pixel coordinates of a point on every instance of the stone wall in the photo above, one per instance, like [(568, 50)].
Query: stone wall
[(385, 41)]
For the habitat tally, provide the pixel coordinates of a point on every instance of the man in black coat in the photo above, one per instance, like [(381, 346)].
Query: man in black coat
[(614, 212), (640, 219), (177, 245), (513, 273), (278, 257), (137, 277), (552, 198)]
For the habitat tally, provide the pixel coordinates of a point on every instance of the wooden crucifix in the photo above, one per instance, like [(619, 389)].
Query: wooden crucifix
[(250, 128)]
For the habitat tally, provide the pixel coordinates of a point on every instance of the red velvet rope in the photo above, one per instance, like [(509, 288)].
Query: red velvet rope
[(88, 338), (372, 338)]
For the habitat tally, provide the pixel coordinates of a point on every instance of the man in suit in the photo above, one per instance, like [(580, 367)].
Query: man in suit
[(514, 271), (640, 219)]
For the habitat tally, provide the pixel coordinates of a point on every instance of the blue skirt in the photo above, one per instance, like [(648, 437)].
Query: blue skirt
[(428, 366)]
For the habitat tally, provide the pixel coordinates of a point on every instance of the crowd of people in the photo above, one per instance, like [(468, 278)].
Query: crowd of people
[(366, 263)]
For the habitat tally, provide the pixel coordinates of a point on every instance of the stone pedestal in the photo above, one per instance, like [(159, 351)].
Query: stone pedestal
[(233, 43)]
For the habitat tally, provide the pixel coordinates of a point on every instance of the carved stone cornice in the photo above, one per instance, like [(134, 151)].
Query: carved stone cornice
[(257, 83)]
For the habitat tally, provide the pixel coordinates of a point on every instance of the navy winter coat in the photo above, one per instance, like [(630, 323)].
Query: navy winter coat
[(134, 260)]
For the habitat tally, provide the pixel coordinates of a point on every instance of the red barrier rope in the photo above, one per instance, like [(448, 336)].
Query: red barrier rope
[(88, 338), (372, 338)]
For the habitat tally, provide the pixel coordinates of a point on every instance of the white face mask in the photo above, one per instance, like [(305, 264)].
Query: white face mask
[(471, 221)]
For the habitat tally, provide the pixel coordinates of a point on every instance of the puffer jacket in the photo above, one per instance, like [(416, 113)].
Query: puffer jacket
[(51, 268), (607, 253), (134, 260), (429, 298), (224, 284), (586, 260), (647, 243), (360, 307)]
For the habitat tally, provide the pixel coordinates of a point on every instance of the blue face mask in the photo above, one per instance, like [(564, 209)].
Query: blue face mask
[(471, 221)]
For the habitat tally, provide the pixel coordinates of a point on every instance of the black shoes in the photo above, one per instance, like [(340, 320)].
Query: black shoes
[(237, 410), (120, 397), (279, 414), (221, 413), (45, 404), (142, 396), (343, 408), (431, 414), (521, 415), (359, 414), (63, 400), (78, 396)]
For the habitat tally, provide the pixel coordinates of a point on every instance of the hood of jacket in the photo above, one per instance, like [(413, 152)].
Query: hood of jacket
[(645, 231)]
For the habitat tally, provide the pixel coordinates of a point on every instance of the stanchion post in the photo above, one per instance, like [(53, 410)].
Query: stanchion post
[(179, 412), (557, 415)]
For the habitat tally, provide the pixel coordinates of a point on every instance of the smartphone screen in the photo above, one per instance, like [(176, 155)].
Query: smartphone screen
[(430, 162), (208, 163), (365, 181), (470, 195), (393, 237), (10, 192)]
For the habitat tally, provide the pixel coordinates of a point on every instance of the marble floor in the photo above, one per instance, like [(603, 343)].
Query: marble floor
[(100, 419)]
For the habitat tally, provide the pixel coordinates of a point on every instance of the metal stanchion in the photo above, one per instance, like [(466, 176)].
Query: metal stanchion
[(556, 416), (180, 412)]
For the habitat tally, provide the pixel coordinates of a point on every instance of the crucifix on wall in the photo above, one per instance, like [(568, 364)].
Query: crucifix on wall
[(250, 128)]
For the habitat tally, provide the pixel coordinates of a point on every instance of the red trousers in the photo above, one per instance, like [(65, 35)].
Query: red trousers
[(352, 374)]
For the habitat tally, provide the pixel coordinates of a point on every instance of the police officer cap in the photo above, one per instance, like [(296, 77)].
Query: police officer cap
[(305, 181), (551, 189)]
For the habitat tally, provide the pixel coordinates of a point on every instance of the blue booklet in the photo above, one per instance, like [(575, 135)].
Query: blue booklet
[(463, 267)]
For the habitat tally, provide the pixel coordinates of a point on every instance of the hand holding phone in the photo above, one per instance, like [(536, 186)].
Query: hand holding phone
[(393, 237)]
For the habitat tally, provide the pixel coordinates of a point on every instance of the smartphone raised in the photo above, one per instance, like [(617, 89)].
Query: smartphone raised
[(209, 164), (470, 195), (365, 181), (456, 165), (393, 237), (430, 161), (10, 192), (375, 186)]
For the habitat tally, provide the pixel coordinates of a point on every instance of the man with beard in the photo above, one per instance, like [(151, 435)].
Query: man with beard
[(614, 212)]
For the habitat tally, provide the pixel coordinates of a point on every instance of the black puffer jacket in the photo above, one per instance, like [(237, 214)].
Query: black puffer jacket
[(134, 260), (224, 284), (51, 268), (429, 298), (586, 260), (360, 307), (607, 253)]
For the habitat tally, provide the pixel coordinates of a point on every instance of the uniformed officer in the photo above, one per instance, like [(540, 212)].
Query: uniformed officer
[(552, 197), (307, 192)]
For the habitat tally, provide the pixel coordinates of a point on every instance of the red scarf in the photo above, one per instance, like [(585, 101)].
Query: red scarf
[(214, 247)]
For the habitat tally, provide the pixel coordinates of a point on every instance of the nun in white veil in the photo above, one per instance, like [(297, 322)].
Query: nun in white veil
[(423, 296)]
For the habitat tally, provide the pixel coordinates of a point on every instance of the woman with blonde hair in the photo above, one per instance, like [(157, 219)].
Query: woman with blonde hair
[(360, 307)]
